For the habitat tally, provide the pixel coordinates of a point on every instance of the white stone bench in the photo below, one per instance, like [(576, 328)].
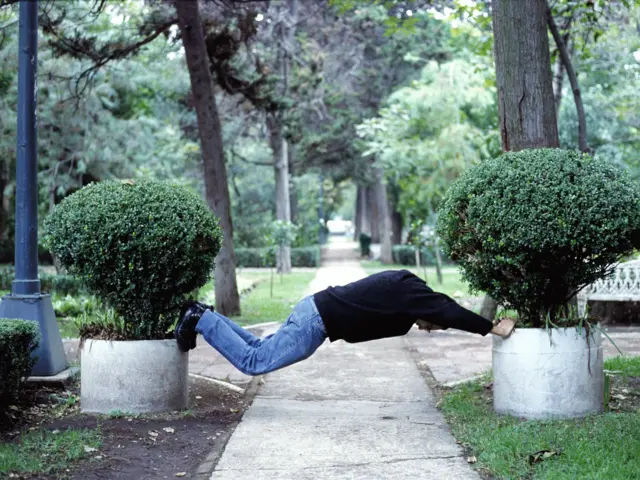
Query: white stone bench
[(623, 285)]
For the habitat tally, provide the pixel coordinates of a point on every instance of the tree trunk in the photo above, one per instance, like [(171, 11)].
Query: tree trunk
[(436, 251), (279, 144), (279, 147), (366, 211), (374, 214), (357, 223), (526, 106), (4, 203), (384, 221), (558, 80), (573, 80), (558, 76), (210, 132), (397, 224), (293, 192)]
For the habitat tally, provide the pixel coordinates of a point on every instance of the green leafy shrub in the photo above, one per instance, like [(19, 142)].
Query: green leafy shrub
[(140, 247), (49, 283), (532, 228), (61, 284), (18, 340), (7, 246), (101, 323), (260, 258), (405, 255), (250, 257), (305, 257), (72, 306)]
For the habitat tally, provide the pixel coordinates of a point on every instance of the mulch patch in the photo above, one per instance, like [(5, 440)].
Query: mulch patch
[(134, 447), (625, 395)]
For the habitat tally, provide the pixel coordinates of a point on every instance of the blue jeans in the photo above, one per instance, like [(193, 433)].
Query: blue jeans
[(298, 338)]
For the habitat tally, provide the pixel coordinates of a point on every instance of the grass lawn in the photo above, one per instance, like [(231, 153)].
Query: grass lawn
[(42, 452), (452, 282), (259, 306), (603, 447)]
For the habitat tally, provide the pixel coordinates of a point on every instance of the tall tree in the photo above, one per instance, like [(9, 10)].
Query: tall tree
[(285, 45), (210, 132), (382, 201), (526, 106)]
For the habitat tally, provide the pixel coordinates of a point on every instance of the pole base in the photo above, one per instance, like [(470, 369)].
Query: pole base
[(50, 355), (61, 380)]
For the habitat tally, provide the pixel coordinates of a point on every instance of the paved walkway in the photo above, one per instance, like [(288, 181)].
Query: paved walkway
[(355, 411), (349, 412)]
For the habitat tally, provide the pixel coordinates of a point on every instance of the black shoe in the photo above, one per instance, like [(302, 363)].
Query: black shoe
[(185, 331)]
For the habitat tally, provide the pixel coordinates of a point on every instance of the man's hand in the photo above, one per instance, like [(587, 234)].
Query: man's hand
[(505, 328)]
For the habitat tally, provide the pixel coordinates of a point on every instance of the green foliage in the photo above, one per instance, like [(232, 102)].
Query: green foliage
[(49, 283), (260, 257), (126, 123), (44, 453), (18, 340), (431, 132), (61, 284), (74, 305), (305, 257), (609, 79), (7, 247), (103, 323), (140, 247), (283, 233), (398, 16), (253, 258), (624, 366), (532, 228), (406, 255)]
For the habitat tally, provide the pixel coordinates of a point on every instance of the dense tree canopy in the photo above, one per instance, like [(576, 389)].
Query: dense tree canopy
[(408, 87)]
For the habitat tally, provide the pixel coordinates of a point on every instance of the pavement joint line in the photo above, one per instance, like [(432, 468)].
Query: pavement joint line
[(350, 465)]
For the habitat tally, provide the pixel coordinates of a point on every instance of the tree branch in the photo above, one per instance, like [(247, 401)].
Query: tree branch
[(566, 60), (80, 47), (246, 160)]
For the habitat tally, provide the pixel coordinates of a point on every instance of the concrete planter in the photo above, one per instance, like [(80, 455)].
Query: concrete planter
[(133, 376), (542, 374)]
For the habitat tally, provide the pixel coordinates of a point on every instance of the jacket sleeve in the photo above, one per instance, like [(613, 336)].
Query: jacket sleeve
[(441, 310)]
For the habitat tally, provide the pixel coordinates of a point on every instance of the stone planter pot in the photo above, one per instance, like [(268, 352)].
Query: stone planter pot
[(555, 373), (133, 376)]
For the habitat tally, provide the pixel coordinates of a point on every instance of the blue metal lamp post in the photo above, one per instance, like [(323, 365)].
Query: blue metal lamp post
[(26, 301)]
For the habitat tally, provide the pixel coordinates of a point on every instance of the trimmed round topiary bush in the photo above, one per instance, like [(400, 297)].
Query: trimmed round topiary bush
[(534, 227), (141, 247)]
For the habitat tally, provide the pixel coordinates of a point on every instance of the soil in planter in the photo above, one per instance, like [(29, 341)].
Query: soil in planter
[(139, 447)]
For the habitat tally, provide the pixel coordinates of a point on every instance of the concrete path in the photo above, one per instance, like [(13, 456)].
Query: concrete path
[(358, 411)]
